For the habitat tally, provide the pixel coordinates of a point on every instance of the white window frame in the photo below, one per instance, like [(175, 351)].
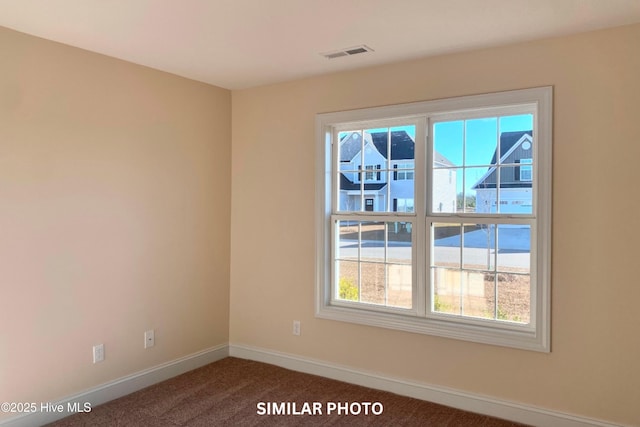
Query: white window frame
[(420, 318)]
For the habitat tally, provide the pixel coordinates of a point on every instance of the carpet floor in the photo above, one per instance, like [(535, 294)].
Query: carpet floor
[(238, 392)]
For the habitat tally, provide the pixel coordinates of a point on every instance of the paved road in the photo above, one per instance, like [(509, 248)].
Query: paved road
[(513, 250), (509, 239)]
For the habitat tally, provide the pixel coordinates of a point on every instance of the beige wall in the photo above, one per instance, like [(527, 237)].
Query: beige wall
[(114, 217), (115, 190), (593, 369)]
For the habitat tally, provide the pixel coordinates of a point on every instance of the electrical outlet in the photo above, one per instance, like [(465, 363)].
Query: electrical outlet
[(296, 327), (149, 339), (98, 353)]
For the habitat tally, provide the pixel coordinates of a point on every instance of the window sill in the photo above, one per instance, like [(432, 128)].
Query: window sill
[(504, 334)]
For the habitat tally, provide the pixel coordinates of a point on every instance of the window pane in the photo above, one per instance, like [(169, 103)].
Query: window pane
[(514, 256), (373, 245), (374, 262), (446, 181), (350, 191), (481, 141), (516, 142), (514, 248), (370, 160), (372, 285), (489, 296), (476, 181), (477, 294), (386, 284), (402, 193), (348, 283), (399, 267), (479, 246), (514, 297), (448, 140), (349, 164), (472, 294), (444, 190), (446, 248), (402, 144), (350, 147), (348, 237), (515, 195), (479, 190), (469, 287), (399, 285), (518, 122), (446, 291), (399, 242)]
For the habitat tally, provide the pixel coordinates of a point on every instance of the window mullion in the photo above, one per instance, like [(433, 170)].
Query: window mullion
[(464, 171), (462, 260), (421, 238), (359, 261), (495, 272), (386, 263), (362, 171), (335, 164), (388, 175)]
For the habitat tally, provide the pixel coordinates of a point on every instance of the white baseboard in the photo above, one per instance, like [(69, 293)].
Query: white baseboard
[(512, 411), (517, 412), (121, 387)]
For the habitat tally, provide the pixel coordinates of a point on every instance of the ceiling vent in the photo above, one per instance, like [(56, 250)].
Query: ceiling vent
[(347, 52)]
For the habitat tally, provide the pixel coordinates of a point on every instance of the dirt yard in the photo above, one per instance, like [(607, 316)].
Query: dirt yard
[(512, 292), (386, 284)]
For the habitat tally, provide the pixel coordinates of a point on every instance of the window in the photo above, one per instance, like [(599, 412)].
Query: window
[(403, 205), (525, 169), (457, 243), (404, 171), (369, 175)]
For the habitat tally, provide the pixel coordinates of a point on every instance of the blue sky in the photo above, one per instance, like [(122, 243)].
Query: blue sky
[(481, 141), (481, 137)]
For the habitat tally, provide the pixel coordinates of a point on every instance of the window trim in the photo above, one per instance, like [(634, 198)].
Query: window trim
[(535, 336)]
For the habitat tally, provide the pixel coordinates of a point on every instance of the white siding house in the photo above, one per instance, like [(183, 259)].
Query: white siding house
[(369, 176)]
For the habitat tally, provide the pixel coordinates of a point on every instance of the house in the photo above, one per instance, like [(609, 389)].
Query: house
[(515, 176), (388, 179)]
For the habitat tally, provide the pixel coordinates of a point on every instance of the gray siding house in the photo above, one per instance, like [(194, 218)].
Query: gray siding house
[(514, 170)]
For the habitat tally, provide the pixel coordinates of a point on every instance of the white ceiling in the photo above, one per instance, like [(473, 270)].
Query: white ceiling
[(237, 44)]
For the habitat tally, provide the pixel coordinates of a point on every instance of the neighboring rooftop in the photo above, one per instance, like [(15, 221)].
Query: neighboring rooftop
[(508, 140)]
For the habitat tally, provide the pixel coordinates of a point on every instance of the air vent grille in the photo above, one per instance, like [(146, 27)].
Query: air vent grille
[(335, 55), (347, 52)]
